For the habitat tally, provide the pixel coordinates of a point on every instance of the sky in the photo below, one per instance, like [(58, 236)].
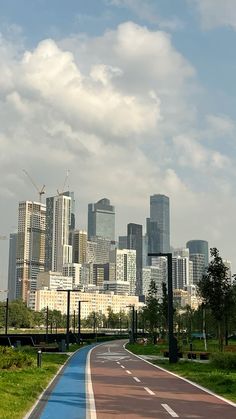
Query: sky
[(133, 97)]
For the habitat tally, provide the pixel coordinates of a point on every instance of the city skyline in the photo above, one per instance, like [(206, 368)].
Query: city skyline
[(133, 98)]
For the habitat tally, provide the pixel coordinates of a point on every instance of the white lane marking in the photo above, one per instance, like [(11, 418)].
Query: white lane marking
[(149, 391), (170, 411), (137, 379), (184, 379), (90, 402), (128, 372), (122, 366), (118, 362)]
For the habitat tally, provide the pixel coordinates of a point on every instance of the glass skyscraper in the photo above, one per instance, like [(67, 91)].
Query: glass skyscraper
[(101, 220), (135, 242), (158, 225)]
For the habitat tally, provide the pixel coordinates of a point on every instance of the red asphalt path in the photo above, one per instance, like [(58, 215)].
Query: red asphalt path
[(126, 386)]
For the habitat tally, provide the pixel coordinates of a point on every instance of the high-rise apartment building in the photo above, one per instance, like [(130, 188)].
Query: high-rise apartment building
[(101, 220), (125, 261), (80, 246), (58, 250), (135, 242), (158, 225), (30, 256), (12, 267)]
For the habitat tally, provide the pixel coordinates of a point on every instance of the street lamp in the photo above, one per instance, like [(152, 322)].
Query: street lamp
[(132, 337), (173, 352), (68, 316), (79, 319)]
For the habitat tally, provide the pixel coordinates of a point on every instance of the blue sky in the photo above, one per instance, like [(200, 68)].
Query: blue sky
[(135, 97)]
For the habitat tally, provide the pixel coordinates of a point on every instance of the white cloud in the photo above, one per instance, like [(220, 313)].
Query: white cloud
[(119, 112), (216, 13)]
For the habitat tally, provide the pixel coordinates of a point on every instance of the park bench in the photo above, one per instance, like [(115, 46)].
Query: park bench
[(203, 356), (230, 348)]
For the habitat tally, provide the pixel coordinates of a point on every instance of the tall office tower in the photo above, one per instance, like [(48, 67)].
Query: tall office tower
[(145, 251), (12, 267), (79, 246), (91, 252), (101, 220), (199, 247), (30, 257), (58, 251), (122, 242), (158, 225), (198, 254), (125, 261), (103, 249), (135, 242), (161, 263)]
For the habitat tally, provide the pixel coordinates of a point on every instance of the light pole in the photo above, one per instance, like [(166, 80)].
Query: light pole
[(132, 337), (79, 319), (68, 316), (173, 351)]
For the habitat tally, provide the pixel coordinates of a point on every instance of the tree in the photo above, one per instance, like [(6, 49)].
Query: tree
[(152, 310), (215, 291)]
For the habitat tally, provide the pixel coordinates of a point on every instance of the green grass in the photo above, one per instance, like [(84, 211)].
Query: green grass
[(19, 388)]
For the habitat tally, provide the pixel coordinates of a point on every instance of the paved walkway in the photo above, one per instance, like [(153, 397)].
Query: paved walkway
[(66, 399), (118, 384)]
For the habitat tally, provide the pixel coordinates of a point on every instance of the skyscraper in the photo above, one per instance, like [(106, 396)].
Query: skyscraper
[(30, 256), (125, 261), (101, 220), (158, 225), (80, 246), (198, 254), (58, 251), (135, 242)]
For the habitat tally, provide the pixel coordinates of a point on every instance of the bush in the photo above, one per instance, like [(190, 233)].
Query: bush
[(10, 358), (224, 361)]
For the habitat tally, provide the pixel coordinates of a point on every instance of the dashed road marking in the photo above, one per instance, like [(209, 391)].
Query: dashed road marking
[(149, 391), (122, 366), (170, 411), (137, 379), (118, 362), (128, 372)]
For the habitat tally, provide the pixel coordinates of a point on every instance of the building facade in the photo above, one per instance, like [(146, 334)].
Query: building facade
[(12, 267), (158, 225), (101, 220), (135, 242), (58, 250), (30, 256)]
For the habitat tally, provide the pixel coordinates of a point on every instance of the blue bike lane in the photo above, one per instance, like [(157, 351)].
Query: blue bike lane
[(66, 396)]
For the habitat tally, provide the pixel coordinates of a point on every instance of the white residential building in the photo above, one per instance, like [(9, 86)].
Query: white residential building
[(125, 261)]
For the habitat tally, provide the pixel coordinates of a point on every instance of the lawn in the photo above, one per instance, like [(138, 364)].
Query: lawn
[(19, 388)]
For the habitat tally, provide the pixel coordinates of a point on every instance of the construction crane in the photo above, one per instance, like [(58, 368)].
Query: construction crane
[(40, 191), (60, 192)]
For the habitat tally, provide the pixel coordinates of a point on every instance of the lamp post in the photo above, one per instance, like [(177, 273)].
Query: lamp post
[(79, 319), (68, 316), (132, 337), (173, 351)]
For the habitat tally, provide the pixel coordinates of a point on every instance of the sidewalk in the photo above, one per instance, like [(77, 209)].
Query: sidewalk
[(66, 397)]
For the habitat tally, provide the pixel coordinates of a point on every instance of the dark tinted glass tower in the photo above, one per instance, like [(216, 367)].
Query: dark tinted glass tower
[(198, 254), (135, 242), (158, 225), (101, 220)]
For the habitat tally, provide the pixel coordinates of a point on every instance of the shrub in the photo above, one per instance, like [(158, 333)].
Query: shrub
[(10, 358), (224, 361)]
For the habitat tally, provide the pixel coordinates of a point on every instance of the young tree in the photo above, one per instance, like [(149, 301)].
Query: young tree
[(215, 290), (152, 310)]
